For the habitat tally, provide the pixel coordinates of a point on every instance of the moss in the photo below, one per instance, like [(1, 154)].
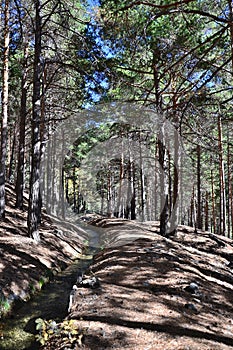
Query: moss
[(16, 337)]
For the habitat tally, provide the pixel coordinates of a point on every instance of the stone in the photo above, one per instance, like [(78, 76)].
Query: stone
[(191, 307), (91, 282), (192, 288), (72, 297)]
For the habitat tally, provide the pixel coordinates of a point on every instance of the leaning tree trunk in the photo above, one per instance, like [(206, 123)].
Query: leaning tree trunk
[(34, 209), (5, 88)]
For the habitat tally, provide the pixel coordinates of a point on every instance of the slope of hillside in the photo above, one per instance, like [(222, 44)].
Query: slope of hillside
[(154, 293), (142, 291), (24, 265)]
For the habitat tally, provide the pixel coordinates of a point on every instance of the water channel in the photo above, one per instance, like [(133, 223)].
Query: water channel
[(50, 303)]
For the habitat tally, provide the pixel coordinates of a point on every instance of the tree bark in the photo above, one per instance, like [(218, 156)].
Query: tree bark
[(199, 201), (142, 182), (110, 192), (12, 152), (121, 195), (213, 202), (230, 194), (164, 183), (222, 207), (207, 211), (5, 93), (34, 198), (231, 28), (22, 123)]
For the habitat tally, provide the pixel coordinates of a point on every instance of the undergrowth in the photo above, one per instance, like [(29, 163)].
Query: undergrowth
[(68, 332)]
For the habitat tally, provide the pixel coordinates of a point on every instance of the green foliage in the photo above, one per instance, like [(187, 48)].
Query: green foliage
[(4, 305), (42, 281)]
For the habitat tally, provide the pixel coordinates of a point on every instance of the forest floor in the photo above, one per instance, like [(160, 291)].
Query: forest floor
[(156, 293), (151, 292)]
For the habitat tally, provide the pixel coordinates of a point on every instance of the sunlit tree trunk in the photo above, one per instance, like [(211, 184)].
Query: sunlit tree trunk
[(5, 92)]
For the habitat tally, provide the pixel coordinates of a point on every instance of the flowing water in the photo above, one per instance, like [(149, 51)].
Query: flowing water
[(18, 332)]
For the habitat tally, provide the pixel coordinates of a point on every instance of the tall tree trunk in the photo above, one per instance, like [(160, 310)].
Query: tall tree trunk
[(12, 153), (230, 194), (176, 184), (49, 179), (231, 206), (133, 214), (142, 182), (34, 198), (230, 232), (110, 192), (5, 91), (130, 208), (74, 190), (62, 181), (174, 204), (199, 201), (230, 5), (192, 219), (156, 204), (121, 195), (164, 183), (213, 202), (207, 211), (22, 123), (222, 207)]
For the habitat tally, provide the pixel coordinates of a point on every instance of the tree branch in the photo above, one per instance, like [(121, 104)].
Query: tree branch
[(170, 11), (174, 4)]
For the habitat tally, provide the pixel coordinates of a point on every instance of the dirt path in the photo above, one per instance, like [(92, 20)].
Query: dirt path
[(156, 293), (144, 299)]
